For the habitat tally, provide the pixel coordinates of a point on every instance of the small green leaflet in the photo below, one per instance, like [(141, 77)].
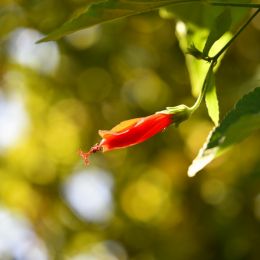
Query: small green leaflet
[(240, 122), (211, 97)]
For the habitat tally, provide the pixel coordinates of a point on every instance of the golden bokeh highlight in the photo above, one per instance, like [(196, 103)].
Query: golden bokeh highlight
[(213, 191), (143, 200)]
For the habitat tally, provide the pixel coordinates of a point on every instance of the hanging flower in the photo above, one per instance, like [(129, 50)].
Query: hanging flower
[(133, 131)]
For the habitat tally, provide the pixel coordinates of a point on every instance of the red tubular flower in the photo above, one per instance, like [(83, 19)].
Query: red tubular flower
[(137, 130), (130, 132)]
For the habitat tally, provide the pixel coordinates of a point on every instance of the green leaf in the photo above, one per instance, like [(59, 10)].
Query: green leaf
[(193, 30), (100, 11), (211, 98), (204, 13), (190, 35), (221, 25), (107, 10), (240, 122), (199, 14)]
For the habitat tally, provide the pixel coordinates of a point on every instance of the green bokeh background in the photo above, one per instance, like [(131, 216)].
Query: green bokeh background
[(92, 80)]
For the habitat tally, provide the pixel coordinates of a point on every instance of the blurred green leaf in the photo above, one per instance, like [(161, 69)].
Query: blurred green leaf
[(202, 14), (211, 98), (205, 13), (104, 11), (237, 125), (220, 26)]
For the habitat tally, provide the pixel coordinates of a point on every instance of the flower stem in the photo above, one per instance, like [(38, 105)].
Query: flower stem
[(203, 90)]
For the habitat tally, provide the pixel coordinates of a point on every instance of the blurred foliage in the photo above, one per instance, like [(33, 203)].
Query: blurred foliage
[(136, 203)]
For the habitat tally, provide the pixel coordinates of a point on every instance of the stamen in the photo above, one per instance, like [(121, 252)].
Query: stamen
[(85, 155)]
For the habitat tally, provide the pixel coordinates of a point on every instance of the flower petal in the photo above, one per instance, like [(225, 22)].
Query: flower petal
[(105, 133), (125, 124)]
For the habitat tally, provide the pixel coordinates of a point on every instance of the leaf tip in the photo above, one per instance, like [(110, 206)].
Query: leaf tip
[(44, 39), (192, 171), (204, 158)]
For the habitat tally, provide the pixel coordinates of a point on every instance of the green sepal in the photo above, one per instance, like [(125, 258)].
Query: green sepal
[(181, 113)]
